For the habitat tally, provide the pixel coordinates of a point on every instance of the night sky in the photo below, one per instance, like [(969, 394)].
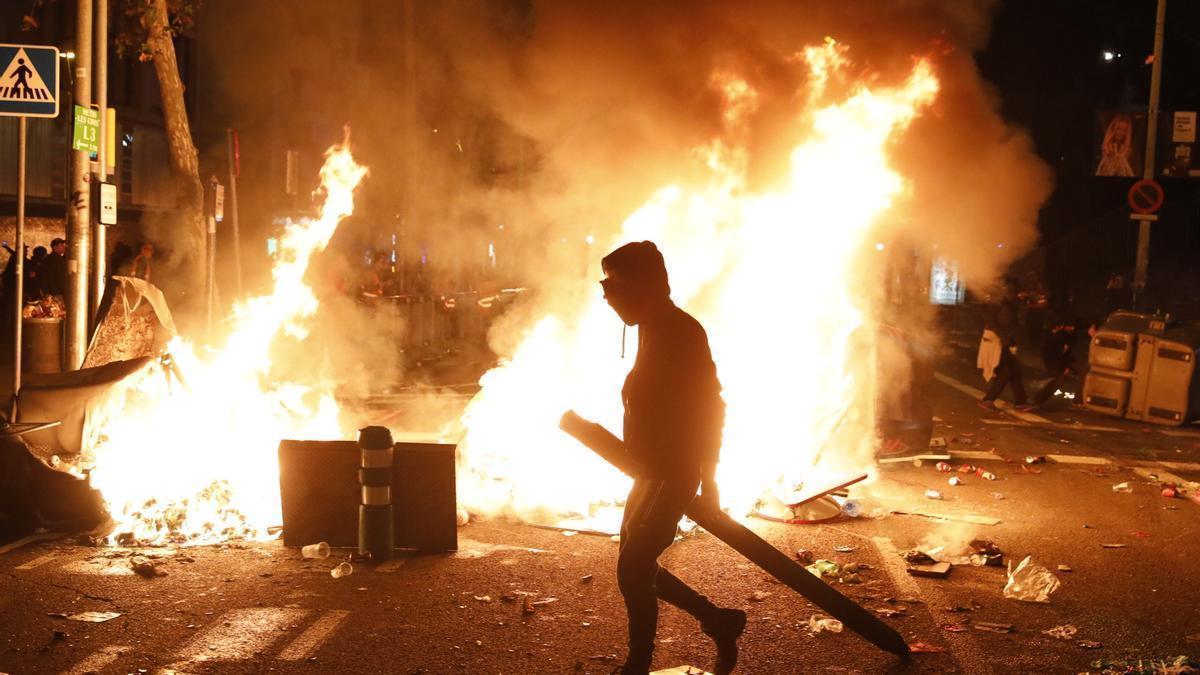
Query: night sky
[(1046, 60)]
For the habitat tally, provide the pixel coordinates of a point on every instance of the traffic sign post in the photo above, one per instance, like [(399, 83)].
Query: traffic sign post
[(29, 81), (28, 88), (1146, 196)]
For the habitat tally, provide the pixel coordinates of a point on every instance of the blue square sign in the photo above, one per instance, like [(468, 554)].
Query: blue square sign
[(28, 81)]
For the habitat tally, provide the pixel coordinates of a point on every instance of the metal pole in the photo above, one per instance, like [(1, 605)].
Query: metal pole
[(232, 150), (19, 268), (210, 283), (79, 220), (1143, 247), (100, 232)]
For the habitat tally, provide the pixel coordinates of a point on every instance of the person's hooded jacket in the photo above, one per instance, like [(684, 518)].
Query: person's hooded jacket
[(674, 413)]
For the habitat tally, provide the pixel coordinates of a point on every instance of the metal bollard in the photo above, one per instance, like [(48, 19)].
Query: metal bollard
[(376, 533)]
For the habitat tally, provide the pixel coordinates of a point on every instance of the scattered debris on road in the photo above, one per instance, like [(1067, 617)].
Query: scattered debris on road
[(936, 570), (145, 567), (1063, 632), (818, 624), (922, 648), (1030, 582), (87, 617)]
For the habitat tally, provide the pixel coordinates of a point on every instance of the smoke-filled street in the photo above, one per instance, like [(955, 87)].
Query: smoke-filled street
[(638, 338), (516, 599)]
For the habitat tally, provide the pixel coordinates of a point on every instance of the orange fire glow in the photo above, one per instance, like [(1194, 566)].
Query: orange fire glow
[(196, 459), (775, 275), (776, 278)]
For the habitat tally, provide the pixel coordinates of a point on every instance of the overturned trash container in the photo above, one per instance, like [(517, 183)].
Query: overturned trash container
[(1170, 394), (42, 344), (1114, 346), (1116, 360)]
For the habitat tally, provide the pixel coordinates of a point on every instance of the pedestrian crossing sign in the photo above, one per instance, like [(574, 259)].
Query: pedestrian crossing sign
[(28, 81)]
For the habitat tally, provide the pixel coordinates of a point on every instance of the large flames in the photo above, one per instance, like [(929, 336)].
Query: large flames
[(189, 452), (779, 277)]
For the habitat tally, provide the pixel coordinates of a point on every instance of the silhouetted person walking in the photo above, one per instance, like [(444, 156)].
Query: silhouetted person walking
[(1002, 319), (674, 416)]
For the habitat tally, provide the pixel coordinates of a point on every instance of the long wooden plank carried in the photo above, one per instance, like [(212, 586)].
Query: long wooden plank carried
[(744, 541)]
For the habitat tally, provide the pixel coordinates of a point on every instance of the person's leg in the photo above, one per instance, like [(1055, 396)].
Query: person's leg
[(648, 527), (1058, 375), (1015, 376), (999, 378)]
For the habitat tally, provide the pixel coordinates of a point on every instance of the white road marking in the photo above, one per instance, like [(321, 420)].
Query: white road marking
[(1057, 425), (963, 644), (308, 642), (1182, 466), (1180, 433), (975, 454), (1161, 476), (12, 546), (98, 661), (238, 634), (978, 395), (37, 562), (99, 567), (1080, 459)]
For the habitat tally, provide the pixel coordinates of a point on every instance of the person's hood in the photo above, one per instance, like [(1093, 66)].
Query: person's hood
[(642, 265)]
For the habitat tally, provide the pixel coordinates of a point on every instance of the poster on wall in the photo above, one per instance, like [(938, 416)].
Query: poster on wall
[(1178, 155), (1121, 143)]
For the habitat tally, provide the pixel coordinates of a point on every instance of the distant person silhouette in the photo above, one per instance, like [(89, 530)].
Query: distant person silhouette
[(21, 73), (674, 416)]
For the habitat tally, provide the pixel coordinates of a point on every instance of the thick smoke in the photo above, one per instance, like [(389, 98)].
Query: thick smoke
[(617, 98), (560, 119)]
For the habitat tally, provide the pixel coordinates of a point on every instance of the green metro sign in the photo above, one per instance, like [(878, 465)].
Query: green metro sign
[(87, 130)]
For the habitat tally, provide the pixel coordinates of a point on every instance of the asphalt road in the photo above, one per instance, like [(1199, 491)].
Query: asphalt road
[(253, 607)]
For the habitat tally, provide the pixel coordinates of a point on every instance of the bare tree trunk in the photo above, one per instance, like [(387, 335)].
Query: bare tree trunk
[(185, 165)]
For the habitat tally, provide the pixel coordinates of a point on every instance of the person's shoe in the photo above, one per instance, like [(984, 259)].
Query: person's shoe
[(1029, 407), (725, 631), (989, 406)]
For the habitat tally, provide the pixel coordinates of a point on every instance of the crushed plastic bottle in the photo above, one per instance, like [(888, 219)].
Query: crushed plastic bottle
[(852, 508), (1030, 582), (318, 551), (818, 624), (824, 568), (342, 570)]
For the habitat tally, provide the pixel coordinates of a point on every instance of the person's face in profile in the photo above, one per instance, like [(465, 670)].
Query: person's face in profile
[(618, 293)]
